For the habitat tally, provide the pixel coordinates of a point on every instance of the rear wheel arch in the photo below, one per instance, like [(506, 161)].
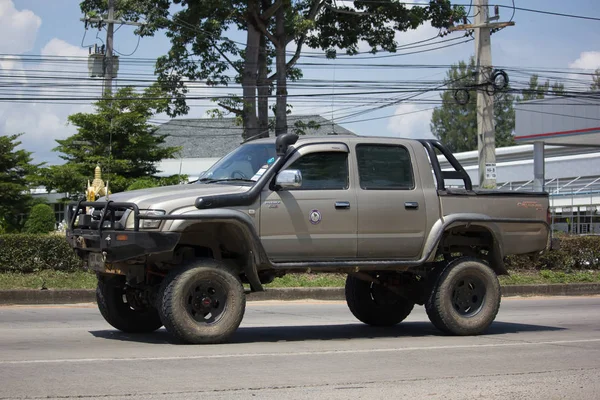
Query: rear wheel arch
[(479, 240)]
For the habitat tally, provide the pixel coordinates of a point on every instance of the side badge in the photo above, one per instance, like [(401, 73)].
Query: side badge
[(315, 217)]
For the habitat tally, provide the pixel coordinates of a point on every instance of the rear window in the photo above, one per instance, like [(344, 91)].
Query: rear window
[(384, 167)]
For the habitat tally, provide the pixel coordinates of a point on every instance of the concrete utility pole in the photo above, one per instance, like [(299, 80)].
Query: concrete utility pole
[(109, 69), (108, 57), (486, 133)]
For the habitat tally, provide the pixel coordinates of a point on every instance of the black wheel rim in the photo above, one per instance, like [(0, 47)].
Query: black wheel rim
[(381, 295), (468, 296), (206, 301)]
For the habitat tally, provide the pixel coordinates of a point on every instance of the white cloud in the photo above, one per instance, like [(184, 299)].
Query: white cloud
[(411, 121), (18, 29), (58, 47), (43, 122), (588, 61)]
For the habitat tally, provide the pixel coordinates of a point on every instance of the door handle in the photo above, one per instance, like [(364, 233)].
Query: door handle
[(411, 205), (342, 205)]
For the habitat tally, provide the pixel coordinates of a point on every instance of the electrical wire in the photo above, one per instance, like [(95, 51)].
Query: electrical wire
[(134, 50)]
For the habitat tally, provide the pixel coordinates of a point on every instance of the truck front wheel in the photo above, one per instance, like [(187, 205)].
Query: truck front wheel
[(121, 308), (465, 299), (202, 302), (374, 304)]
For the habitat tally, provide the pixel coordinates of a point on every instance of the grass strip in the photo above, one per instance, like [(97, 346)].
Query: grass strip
[(86, 280)]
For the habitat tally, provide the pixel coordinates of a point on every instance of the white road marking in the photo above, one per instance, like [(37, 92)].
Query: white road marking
[(300, 353)]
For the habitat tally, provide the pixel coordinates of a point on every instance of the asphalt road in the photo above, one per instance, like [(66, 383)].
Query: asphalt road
[(542, 348)]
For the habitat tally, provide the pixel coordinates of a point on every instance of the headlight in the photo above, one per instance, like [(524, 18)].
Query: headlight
[(150, 223)]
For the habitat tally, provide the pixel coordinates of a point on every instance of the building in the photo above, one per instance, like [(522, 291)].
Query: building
[(204, 141)]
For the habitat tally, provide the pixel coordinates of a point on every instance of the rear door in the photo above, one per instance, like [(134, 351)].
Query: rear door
[(317, 220), (392, 217)]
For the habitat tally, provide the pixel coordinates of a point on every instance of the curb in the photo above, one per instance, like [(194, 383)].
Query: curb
[(30, 296)]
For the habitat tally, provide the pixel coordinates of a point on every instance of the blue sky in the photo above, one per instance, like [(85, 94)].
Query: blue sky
[(52, 27)]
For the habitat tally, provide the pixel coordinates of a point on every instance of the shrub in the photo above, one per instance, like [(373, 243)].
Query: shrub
[(575, 253), (40, 220), (142, 183), (30, 253)]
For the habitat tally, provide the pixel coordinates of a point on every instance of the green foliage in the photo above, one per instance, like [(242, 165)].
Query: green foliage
[(574, 254), (456, 125), (595, 86), (537, 91), (200, 52), (31, 253), (15, 168), (40, 220), (143, 183), (151, 182), (120, 123)]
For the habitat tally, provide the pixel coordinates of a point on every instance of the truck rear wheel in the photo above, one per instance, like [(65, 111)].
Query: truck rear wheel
[(465, 299), (202, 302), (120, 308), (374, 304)]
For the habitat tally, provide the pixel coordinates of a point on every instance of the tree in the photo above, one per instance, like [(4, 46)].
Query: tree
[(200, 52), (118, 137), (456, 125), (15, 167), (537, 91), (595, 86), (41, 219)]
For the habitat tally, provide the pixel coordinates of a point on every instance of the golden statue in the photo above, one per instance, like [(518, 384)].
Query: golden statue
[(97, 188)]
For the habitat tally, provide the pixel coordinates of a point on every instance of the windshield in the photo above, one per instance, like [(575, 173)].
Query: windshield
[(247, 162)]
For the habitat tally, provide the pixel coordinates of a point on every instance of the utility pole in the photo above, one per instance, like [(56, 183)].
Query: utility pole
[(486, 133), (108, 65), (109, 69), (108, 76)]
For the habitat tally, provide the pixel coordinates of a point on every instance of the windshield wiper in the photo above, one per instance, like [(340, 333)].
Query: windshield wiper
[(209, 180)]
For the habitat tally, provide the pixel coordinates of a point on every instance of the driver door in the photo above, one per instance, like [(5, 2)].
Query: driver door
[(317, 220)]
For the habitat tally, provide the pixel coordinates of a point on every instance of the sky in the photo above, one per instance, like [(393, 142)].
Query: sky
[(53, 28)]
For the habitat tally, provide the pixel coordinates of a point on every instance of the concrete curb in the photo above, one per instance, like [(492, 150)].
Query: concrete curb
[(8, 297)]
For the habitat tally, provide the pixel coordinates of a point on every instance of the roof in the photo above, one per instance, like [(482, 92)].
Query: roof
[(215, 137)]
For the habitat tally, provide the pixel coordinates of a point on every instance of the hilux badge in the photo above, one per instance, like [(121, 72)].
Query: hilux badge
[(315, 217)]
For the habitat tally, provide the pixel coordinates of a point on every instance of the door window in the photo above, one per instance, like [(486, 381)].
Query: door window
[(384, 167), (323, 171)]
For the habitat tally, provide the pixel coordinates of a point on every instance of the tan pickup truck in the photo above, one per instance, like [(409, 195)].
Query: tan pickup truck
[(376, 209)]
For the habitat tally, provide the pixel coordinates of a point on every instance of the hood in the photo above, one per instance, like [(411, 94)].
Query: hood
[(169, 198)]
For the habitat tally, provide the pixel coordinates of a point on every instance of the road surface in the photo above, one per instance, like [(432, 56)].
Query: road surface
[(539, 348)]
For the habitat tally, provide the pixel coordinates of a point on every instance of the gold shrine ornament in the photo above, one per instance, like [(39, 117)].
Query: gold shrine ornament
[(97, 188)]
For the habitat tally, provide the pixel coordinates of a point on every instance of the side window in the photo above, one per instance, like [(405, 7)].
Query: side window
[(384, 167), (323, 171)]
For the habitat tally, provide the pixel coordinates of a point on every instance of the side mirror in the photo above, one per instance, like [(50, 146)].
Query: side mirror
[(289, 178)]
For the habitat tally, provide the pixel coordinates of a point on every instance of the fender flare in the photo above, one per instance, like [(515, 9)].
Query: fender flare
[(257, 255)]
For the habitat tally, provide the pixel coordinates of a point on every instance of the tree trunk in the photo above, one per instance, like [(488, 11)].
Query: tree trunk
[(263, 89), (250, 76), (281, 102)]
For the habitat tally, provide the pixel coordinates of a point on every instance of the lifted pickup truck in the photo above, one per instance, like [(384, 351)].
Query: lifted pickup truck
[(376, 209)]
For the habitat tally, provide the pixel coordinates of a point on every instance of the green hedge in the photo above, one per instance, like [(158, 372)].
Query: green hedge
[(575, 253), (31, 253)]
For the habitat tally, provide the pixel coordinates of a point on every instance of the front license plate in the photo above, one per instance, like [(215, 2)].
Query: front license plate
[(96, 262)]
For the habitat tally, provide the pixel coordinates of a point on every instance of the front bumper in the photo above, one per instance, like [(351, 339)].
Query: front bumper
[(108, 237), (118, 246)]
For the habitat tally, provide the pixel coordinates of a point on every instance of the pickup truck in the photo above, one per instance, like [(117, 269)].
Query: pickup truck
[(377, 209)]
